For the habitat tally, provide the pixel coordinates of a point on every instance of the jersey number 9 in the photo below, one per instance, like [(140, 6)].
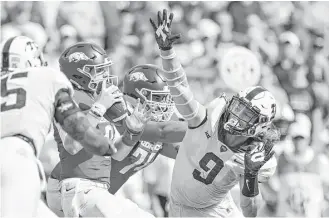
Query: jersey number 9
[(212, 172), (18, 95)]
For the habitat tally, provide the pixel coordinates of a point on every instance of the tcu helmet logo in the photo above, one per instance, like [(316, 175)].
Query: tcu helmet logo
[(31, 47), (136, 76), (78, 56)]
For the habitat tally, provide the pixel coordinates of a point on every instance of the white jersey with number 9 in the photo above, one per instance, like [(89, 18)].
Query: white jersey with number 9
[(28, 102), (206, 170)]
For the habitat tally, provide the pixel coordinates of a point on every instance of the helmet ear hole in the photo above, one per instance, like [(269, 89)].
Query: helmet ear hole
[(252, 131), (87, 69)]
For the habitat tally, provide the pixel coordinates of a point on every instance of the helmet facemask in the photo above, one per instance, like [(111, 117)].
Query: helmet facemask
[(160, 101), (34, 55), (243, 119), (97, 74)]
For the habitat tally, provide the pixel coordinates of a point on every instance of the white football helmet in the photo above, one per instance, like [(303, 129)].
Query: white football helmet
[(240, 68), (20, 52), (250, 112)]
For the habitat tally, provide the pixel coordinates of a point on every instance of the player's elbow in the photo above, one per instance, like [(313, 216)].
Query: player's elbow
[(250, 211), (71, 150)]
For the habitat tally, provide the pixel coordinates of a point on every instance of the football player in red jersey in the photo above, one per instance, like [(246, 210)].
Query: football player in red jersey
[(34, 96), (86, 178), (146, 82)]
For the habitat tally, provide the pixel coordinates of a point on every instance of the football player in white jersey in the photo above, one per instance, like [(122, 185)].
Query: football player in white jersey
[(32, 96), (228, 142)]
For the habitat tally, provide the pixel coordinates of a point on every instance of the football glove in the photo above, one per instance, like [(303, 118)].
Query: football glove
[(256, 157), (164, 38)]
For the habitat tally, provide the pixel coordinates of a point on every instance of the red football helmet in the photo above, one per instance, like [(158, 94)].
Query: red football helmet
[(87, 65), (147, 83)]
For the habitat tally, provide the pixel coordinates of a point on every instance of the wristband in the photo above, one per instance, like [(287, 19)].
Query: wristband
[(169, 57), (127, 139), (250, 186), (130, 137), (98, 109)]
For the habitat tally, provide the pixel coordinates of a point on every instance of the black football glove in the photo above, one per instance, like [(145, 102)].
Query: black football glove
[(163, 36), (255, 158)]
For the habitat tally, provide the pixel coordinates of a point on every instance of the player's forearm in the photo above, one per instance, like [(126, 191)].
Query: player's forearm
[(123, 149), (183, 97), (250, 205), (170, 150), (249, 197), (79, 128), (126, 142), (165, 132), (72, 146)]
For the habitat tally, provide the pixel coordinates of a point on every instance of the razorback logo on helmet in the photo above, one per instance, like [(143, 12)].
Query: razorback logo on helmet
[(136, 76), (77, 56)]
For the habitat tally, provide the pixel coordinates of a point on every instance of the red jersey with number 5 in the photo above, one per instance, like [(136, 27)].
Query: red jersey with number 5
[(28, 102), (206, 169)]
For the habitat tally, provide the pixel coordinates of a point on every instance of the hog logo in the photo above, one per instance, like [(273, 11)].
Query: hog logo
[(137, 76), (78, 56)]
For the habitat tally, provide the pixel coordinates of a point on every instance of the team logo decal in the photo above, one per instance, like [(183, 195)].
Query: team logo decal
[(137, 76), (31, 47), (223, 148), (78, 56)]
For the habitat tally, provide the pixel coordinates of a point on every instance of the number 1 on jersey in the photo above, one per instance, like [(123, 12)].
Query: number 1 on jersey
[(12, 95), (212, 172)]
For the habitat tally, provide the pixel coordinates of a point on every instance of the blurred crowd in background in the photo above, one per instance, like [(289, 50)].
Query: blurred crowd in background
[(291, 40)]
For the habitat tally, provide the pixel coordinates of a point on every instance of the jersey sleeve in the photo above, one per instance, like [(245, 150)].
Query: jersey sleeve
[(267, 170), (63, 92)]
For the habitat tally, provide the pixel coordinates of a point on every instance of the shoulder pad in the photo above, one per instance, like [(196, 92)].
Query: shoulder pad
[(215, 109)]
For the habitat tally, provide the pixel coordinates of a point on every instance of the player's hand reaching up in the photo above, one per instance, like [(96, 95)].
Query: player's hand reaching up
[(135, 123), (162, 31), (256, 156)]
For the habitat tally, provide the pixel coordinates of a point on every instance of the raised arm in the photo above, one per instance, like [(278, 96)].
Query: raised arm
[(188, 107), (255, 158)]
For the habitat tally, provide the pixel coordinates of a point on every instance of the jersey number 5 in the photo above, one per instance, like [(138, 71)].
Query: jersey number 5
[(16, 97), (213, 171)]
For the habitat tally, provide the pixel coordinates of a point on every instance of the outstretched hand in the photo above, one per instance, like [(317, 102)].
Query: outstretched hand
[(164, 38), (136, 122)]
